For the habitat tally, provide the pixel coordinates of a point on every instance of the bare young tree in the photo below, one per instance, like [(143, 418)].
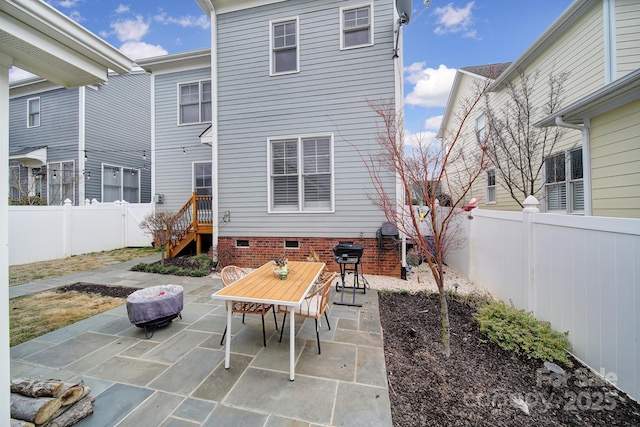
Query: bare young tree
[(160, 225), (23, 189), (516, 148), (426, 169)]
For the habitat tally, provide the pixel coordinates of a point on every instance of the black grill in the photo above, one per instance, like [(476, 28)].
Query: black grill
[(348, 252)]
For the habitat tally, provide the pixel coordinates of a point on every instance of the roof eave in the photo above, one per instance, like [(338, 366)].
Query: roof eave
[(615, 94)]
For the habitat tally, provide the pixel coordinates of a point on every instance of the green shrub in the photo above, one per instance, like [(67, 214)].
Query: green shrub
[(204, 261), (199, 272), (517, 330), (140, 267)]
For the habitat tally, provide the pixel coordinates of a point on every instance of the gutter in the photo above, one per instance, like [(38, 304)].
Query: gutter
[(214, 116), (586, 160)]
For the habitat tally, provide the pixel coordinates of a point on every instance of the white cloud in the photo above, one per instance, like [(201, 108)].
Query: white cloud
[(424, 139), (138, 50), (433, 122), (431, 86), (67, 3), (76, 16), (201, 21), (16, 74), (130, 30), (455, 20), (122, 9)]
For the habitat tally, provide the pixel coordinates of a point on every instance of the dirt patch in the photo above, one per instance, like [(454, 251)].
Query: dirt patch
[(480, 383), (104, 290)]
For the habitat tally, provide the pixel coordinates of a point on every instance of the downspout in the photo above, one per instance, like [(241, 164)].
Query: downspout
[(398, 69), (82, 97), (214, 119), (586, 160)]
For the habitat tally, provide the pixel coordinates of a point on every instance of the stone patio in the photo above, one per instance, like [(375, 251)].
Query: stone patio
[(177, 378)]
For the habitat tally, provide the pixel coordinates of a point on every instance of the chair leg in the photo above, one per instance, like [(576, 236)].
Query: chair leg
[(282, 328), (327, 317), (243, 318), (264, 334), (224, 334), (318, 335)]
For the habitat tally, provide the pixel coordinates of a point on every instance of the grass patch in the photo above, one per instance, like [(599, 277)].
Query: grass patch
[(27, 273), (34, 315)]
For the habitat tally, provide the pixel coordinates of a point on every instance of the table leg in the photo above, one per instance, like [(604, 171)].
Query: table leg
[(227, 350), (292, 344)]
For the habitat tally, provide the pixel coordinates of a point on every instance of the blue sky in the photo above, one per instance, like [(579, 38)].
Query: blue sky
[(440, 38)]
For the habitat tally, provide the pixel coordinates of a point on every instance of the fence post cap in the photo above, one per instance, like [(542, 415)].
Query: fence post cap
[(94, 201), (531, 204), (87, 202), (67, 202)]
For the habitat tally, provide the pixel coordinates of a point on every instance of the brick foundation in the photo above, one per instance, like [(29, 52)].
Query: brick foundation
[(264, 249)]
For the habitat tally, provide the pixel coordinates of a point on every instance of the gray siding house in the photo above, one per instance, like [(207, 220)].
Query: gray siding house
[(90, 142), (272, 123)]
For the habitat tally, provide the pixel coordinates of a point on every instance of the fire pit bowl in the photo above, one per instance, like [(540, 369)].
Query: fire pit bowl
[(155, 306)]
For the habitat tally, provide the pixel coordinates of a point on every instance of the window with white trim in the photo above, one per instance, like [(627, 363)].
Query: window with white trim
[(480, 128), (564, 192), (301, 174), (33, 112), (120, 183), (194, 102), (61, 180), (202, 179), (284, 46), (356, 26), (491, 186)]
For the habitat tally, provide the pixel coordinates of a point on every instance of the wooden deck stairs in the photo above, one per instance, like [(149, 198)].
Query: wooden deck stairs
[(194, 220)]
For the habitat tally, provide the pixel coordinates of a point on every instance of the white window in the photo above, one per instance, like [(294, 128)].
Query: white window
[(202, 180), (61, 179), (356, 26), (195, 102), (480, 129), (119, 183), (285, 55), (33, 112), (301, 174), (491, 186), (558, 185)]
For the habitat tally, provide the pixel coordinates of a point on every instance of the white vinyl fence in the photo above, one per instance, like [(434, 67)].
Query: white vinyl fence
[(582, 274), (43, 233)]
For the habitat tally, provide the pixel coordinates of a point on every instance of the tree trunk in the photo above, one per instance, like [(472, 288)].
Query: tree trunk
[(76, 412), (35, 387), (34, 409), (444, 314), (20, 423)]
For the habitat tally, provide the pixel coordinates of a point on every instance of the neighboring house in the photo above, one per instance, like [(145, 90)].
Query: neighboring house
[(82, 143), (595, 168), (282, 102)]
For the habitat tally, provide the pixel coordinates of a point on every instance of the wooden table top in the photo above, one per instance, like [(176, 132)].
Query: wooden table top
[(262, 285)]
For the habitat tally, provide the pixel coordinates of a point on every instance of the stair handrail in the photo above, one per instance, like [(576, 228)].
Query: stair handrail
[(188, 218)]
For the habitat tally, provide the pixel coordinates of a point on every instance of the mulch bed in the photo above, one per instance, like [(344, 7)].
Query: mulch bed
[(476, 385), (104, 290)]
